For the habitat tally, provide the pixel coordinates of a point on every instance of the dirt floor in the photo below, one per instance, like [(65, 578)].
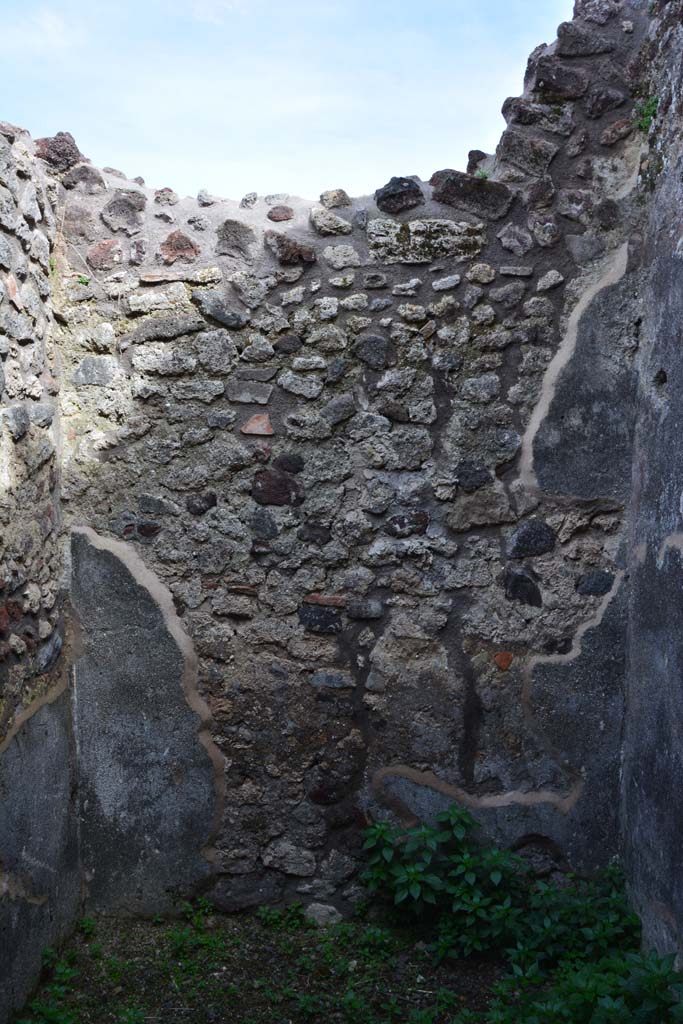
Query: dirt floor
[(267, 968)]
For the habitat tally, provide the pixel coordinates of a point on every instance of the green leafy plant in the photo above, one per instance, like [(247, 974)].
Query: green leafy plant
[(473, 893), (612, 990), (289, 919), (572, 949), (645, 112), (197, 913), (86, 927)]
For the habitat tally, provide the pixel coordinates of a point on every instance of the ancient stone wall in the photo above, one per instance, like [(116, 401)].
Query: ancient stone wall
[(39, 860), (342, 500), (652, 751), (29, 381)]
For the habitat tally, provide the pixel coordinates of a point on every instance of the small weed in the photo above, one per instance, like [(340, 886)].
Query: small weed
[(290, 919), (481, 173), (130, 1016), (50, 957), (645, 112), (86, 927), (197, 913), (572, 950), (117, 969)]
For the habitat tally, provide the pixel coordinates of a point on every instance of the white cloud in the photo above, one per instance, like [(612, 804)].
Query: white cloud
[(42, 31)]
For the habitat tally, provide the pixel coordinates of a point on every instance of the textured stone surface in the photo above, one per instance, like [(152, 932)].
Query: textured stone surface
[(478, 196), (398, 195), (422, 241), (61, 151), (652, 765), (378, 463)]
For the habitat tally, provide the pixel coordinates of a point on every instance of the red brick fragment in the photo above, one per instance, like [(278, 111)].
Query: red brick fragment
[(279, 213), (104, 255), (259, 425), (178, 247)]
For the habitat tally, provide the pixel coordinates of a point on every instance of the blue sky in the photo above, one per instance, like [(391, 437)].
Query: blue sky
[(258, 95)]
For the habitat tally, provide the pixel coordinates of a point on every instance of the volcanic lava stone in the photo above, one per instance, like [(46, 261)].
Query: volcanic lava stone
[(288, 343), (607, 214), (60, 151), (198, 504), (375, 351), (213, 304), (471, 476), (123, 211), (279, 213), (336, 369), (399, 194), (601, 99), (595, 584), (474, 158), (575, 41), (325, 621), (148, 529), (178, 247), (521, 586), (288, 463), (480, 197), (270, 487), (313, 533), (532, 538), (555, 79), (263, 525), (86, 178), (407, 523), (288, 251), (364, 608)]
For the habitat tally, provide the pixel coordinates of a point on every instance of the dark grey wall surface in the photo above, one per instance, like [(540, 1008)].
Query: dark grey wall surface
[(145, 784), (652, 783), (40, 874)]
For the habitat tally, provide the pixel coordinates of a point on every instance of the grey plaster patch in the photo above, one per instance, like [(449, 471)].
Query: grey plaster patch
[(147, 768), (558, 454), (39, 869)]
